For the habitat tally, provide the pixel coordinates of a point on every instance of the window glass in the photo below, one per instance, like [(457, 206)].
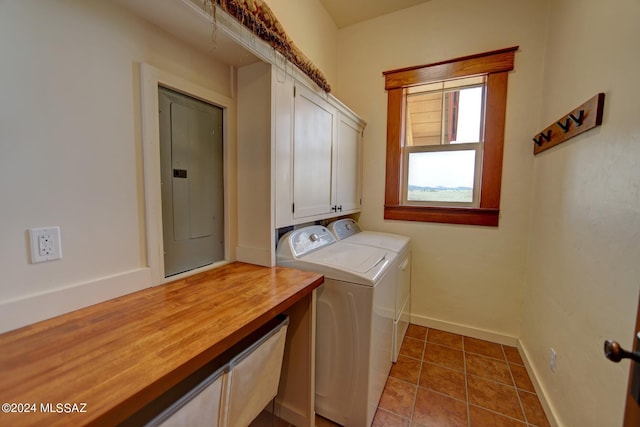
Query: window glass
[(441, 176), (447, 112), (468, 115), (424, 118)]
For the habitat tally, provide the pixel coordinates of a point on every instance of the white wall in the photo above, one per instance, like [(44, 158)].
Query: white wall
[(583, 267), (311, 28), (71, 152), (465, 278)]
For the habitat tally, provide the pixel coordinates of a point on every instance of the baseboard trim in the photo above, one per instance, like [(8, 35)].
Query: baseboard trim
[(34, 308), (466, 330), (290, 415), (537, 385)]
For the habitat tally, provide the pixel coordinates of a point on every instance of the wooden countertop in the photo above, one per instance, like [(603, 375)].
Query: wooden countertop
[(119, 355)]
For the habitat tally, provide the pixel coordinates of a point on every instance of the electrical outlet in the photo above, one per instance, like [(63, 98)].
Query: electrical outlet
[(552, 360), (45, 244)]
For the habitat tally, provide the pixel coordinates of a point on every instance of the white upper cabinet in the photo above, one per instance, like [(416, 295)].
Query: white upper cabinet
[(299, 158), (326, 159), (348, 165), (313, 141)]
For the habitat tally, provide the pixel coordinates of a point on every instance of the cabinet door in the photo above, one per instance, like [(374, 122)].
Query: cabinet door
[(312, 154), (283, 173), (347, 164)]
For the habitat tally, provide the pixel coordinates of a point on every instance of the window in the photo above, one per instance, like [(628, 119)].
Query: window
[(443, 143), (445, 130)]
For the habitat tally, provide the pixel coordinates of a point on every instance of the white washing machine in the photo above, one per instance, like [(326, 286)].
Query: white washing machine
[(348, 230), (354, 321)]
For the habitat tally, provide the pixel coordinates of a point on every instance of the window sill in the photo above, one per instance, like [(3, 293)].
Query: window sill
[(447, 215)]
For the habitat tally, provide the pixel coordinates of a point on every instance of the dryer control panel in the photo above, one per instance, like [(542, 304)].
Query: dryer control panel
[(344, 228)]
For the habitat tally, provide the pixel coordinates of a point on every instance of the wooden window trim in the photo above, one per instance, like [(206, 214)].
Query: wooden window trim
[(494, 64)]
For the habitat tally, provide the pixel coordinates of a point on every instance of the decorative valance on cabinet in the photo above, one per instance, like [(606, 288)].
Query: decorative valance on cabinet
[(260, 20)]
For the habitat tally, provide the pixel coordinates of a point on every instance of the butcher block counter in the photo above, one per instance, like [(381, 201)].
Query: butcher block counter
[(102, 364)]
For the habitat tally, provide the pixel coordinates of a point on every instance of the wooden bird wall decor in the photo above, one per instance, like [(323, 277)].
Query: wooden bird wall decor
[(585, 117)]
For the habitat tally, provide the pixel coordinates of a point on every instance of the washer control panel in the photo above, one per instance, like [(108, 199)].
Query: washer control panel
[(308, 239)]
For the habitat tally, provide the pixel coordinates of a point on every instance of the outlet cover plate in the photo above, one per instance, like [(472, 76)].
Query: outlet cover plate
[(553, 356), (45, 244)]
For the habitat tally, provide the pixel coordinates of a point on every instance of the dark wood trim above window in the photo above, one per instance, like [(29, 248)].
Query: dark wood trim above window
[(495, 65), (495, 61)]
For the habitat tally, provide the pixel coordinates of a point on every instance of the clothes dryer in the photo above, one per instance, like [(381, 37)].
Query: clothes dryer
[(348, 230), (354, 321)]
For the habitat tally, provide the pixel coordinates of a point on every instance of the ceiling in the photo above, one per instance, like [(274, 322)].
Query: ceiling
[(349, 12)]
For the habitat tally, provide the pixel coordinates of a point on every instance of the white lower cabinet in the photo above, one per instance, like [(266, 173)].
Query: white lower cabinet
[(235, 394)]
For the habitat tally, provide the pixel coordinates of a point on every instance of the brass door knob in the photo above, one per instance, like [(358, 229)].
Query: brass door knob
[(615, 353)]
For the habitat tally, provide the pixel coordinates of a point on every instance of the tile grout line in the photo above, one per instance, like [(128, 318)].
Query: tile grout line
[(525, 421), (503, 415), (415, 396), (466, 383), (524, 413)]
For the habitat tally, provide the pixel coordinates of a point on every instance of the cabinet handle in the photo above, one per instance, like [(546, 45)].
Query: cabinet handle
[(340, 208), (333, 208)]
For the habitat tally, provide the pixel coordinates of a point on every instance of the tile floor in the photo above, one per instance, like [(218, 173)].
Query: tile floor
[(448, 380), (444, 379)]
